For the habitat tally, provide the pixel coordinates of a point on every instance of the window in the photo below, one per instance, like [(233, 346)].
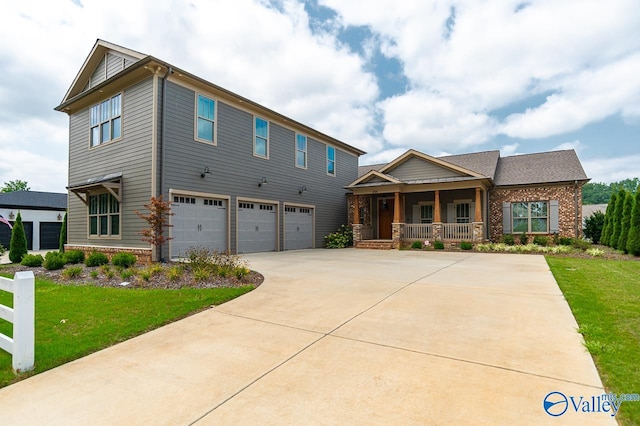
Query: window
[(301, 151), (331, 160), (426, 213), (530, 217), (205, 120), (261, 142), (462, 213), (106, 120), (104, 215)]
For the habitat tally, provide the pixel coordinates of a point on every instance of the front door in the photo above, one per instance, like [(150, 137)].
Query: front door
[(385, 219)]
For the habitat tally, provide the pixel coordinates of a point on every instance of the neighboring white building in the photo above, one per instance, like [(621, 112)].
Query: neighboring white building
[(42, 214)]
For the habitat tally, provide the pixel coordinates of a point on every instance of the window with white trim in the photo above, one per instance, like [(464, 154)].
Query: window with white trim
[(426, 213), (301, 151), (261, 139), (463, 213), (104, 215), (331, 160), (205, 119), (530, 217), (106, 120)]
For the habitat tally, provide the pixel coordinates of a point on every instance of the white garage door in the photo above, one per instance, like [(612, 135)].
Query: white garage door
[(256, 227), (198, 222), (298, 228)]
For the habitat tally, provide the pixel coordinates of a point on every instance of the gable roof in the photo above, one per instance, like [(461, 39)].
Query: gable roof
[(33, 200), (412, 154), (542, 167), (484, 163)]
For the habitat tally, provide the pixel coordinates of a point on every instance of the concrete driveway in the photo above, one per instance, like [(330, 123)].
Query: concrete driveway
[(342, 337)]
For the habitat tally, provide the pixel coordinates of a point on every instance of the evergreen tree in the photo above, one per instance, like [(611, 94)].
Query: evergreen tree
[(18, 244), (593, 226), (626, 222), (606, 230), (617, 220), (63, 233), (633, 241)]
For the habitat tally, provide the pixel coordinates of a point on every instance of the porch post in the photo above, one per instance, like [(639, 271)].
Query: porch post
[(436, 207), (397, 217), (397, 227), (355, 226), (478, 206), (477, 225), (356, 209)]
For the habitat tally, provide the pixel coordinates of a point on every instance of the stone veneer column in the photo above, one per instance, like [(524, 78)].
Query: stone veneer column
[(477, 232), (397, 230), (357, 233), (436, 229)]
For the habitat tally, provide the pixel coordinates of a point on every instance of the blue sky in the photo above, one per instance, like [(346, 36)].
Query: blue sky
[(442, 77)]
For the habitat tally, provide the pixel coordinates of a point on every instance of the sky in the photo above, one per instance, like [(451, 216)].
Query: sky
[(441, 77)]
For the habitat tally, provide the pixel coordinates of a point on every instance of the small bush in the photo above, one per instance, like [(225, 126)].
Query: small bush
[(342, 238), (93, 274), (241, 272), (96, 258), (416, 245), (524, 239), (581, 244), (32, 260), (466, 245), (565, 241), (74, 256), (18, 242), (125, 274), (201, 274), (540, 240), (2, 249), (106, 270), (145, 274), (508, 240), (175, 273), (595, 252), (72, 272), (54, 260), (124, 260), (438, 245)]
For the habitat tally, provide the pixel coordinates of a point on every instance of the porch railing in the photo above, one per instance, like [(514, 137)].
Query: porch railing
[(367, 233), (457, 231), (418, 231)]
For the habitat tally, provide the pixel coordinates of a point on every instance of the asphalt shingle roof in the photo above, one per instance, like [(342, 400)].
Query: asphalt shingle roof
[(484, 163), (33, 199), (543, 167)]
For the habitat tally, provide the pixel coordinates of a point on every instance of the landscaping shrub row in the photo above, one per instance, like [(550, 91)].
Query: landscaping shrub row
[(56, 260), (621, 223)]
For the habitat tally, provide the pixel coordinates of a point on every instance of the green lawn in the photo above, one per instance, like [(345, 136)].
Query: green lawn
[(604, 296), (72, 322)]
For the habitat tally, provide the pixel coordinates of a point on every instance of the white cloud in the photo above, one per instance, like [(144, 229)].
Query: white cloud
[(612, 169), (575, 145), (511, 149), (383, 156)]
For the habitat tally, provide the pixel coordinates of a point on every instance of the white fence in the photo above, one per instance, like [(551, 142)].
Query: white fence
[(22, 315), (418, 231), (457, 231)]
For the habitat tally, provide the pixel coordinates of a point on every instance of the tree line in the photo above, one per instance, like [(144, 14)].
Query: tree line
[(600, 193), (621, 228)]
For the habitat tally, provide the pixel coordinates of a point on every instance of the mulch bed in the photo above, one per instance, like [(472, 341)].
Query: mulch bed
[(156, 281)]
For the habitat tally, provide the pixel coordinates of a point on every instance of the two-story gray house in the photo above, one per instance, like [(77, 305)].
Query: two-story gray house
[(241, 177)]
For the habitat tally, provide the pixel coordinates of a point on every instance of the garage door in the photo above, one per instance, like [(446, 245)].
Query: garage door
[(298, 228), (198, 222), (5, 234), (50, 235), (256, 227)]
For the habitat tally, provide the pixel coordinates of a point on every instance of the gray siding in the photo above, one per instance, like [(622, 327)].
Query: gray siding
[(109, 66), (235, 172), (99, 74), (416, 168), (130, 155)]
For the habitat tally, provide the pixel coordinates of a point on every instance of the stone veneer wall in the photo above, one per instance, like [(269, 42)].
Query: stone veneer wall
[(566, 206), (365, 203), (143, 256)]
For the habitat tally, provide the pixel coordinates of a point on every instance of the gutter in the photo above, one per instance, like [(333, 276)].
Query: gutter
[(163, 127), (575, 204)]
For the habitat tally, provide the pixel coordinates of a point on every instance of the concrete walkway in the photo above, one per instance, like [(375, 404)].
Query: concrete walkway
[(341, 337)]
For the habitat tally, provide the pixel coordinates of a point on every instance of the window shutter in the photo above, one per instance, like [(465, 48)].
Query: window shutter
[(416, 213), (554, 217), (506, 218), (451, 213)]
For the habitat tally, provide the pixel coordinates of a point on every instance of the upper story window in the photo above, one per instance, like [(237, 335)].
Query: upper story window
[(261, 140), (301, 151), (205, 119), (331, 161), (106, 120), (104, 215), (530, 217)]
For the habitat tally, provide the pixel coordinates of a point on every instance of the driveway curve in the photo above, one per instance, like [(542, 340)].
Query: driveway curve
[(342, 337)]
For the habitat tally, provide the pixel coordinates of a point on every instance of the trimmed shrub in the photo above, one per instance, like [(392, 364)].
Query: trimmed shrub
[(74, 256), (72, 272), (540, 240), (466, 245), (626, 222), (54, 260), (18, 243), (416, 245), (617, 220), (342, 238), (565, 241), (633, 241), (524, 239), (438, 245), (96, 258), (125, 260), (508, 239), (63, 234), (32, 260), (593, 226), (580, 244)]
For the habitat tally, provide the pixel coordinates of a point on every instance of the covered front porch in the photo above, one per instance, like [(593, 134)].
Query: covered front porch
[(450, 213)]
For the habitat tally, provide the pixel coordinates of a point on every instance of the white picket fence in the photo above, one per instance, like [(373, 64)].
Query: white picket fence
[(22, 315)]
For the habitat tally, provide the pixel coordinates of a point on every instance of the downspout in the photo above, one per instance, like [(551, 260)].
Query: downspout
[(575, 202), (163, 126)]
